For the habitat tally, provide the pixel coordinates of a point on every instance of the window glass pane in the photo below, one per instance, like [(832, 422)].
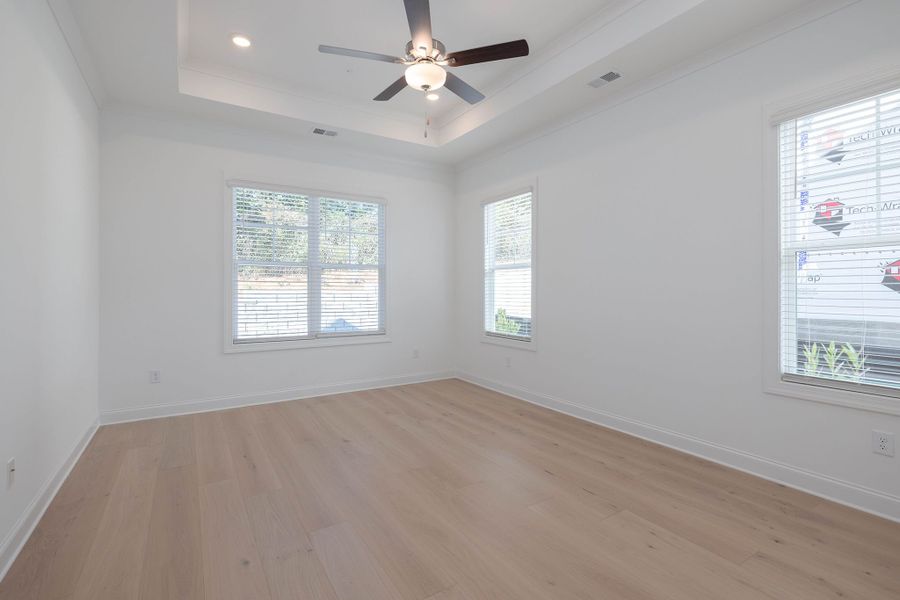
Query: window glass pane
[(291, 245), (351, 295), (508, 255), (271, 274), (253, 243), (281, 291), (270, 302), (364, 218), (252, 206), (512, 302), (512, 232), (350, 300), (350, 232), (840, 232), (335, 247), (290, 209), (847, 317), (335, 214), (364, 249)]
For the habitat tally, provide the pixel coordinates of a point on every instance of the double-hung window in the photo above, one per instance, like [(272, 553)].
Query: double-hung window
[(508, 249), (840, 246), (303, 266)]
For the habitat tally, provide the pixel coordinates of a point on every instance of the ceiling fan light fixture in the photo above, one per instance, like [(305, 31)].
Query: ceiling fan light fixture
[(425, 76), (426, 57)]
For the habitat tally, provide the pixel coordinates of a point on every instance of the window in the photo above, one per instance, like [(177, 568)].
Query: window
[(304, 266), (508, 248), (840, 246)]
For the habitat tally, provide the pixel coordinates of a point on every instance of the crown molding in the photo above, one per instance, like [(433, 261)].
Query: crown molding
[(68, 26), (782, 25), (116, 117)]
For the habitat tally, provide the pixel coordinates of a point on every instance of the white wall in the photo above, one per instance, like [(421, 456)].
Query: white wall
[(650, 219), (48, 253), (649, 267), (162, 260)]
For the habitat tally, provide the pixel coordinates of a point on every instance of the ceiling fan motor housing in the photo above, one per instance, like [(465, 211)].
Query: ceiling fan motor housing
[(437, 51)]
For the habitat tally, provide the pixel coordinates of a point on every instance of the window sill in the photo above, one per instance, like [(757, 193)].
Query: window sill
[(496, 340), (811, 391), (324, 342)]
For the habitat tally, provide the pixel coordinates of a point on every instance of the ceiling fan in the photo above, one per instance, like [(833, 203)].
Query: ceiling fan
[(426, 58)]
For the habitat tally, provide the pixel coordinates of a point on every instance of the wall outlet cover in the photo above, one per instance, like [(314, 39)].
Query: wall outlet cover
[(883, 442)]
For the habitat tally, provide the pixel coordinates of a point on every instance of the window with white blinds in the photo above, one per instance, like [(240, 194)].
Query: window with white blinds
[(305, 266), (840, 246), (508, 228)]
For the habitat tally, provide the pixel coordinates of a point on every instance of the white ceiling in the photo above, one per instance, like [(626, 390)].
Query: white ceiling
[(286, 35), (176, 55)]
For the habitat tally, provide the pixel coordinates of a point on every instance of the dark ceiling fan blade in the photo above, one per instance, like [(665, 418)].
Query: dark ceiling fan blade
[(391, 90), (418, 13), (488, 53), (463, 89), (359, 54)]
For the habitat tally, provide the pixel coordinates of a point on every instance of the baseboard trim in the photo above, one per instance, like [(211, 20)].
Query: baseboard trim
[(818, 484), (125, 415), (24, 527)]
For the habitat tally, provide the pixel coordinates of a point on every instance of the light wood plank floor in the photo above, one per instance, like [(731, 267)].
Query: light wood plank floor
[(439, 491)]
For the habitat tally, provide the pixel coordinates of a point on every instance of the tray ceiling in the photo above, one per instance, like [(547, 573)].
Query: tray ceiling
[(177, 55)]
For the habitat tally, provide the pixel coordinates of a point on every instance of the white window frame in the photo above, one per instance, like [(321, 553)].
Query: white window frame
[(323, 340), (865, 397), (496, 339)]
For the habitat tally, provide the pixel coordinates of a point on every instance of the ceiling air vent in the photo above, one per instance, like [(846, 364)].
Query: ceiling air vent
[(327, 132), (604, 79)]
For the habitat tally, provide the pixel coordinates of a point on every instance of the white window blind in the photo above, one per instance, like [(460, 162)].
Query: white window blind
[(305, 266), (840, 246), (507, 267)]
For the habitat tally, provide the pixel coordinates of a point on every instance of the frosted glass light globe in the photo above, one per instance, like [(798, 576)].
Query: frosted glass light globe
[(425, 76)]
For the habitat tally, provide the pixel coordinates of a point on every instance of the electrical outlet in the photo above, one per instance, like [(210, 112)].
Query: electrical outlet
[(416, 353), (155, 376), (508, 362), (882, 442), (10, 471)]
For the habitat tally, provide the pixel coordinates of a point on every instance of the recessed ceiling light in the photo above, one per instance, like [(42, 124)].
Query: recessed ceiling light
[(241, 41), (432, 96)]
